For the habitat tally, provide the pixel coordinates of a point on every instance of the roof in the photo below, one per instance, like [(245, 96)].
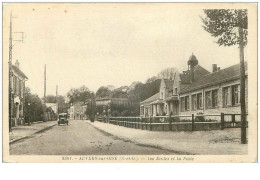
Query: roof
[(199, 71), (151, 99), (158, 101), (224, 75), (172, 98), (168, 83), (78, 104), (19, 72)]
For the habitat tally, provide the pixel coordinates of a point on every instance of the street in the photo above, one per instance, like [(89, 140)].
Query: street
[(79, 138)]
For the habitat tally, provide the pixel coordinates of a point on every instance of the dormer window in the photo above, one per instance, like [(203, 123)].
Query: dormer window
[(176, 91)]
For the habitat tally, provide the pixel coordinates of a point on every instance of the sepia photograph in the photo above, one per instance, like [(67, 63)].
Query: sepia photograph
[(129, 82)]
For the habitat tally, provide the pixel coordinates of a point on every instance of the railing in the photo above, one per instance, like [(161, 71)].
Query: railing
[(177, 122)]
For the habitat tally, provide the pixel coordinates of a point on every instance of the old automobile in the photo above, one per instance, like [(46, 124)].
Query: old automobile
[(63, 119)]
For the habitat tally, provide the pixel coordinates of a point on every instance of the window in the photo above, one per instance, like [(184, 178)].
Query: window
[(22, 86), (235, 95), (194, 101), (199, 101), (208, 99), (214, 98), (182, 104), (187, 103), (161, 95), (211, 99), (14, 78), (146, 111), (19, 87), (176, 91), (142, 110), (226, 96)]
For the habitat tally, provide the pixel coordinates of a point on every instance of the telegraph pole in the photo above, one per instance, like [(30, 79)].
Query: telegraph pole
[(10, 76), (242, 82), (11, 45)]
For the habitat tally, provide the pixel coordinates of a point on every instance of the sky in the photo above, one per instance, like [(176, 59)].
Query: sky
[(109, 44)]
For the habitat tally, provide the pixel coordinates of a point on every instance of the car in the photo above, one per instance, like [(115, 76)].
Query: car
[(63, 119)]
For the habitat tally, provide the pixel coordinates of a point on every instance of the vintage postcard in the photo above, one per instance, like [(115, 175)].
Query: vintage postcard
[(130, 82)]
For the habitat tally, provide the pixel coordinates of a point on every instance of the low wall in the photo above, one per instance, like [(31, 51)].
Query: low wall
[(163, 123), (180, 126)]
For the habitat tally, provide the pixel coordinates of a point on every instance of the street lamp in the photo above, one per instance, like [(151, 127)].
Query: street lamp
[(29, 122)]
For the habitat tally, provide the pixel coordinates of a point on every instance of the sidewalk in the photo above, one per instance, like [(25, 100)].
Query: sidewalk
[(215, 142), (24, 131)]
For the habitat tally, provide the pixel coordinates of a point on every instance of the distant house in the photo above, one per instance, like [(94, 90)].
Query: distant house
[(197, 91), (17, 94), (113, 97), (53, 106), (76, 110)]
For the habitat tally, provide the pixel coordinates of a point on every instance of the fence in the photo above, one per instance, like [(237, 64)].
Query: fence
[(177, 122)]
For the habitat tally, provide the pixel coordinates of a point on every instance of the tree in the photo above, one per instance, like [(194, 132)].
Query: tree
[(230, 26), (152, 79), (167, 73), (79, 95), (34, 111), (51, 99), (91, 107), (103, 92), (62, 106)]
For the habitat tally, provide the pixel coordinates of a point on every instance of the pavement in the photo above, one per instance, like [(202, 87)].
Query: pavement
[(24, 131), (79, 138), (214, 142)]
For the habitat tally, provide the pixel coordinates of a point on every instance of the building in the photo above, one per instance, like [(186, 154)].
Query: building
[(53, 106), (17, 90), (113, 97), (197, 91), (75, 110), (52, 111)]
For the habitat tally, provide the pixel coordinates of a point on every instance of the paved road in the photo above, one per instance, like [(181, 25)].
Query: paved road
[(79, 138)]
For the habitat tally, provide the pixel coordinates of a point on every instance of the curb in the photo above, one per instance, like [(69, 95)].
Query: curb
[(140, 144), (25, 137)]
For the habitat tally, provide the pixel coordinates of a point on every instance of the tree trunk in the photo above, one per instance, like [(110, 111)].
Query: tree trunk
[(242, 83)]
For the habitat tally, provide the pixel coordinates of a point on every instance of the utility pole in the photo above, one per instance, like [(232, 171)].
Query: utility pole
[(242, 81), (11, 45), (10, 76)]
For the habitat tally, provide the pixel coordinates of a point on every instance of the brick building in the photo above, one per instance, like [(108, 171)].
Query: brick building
[(197, 91)]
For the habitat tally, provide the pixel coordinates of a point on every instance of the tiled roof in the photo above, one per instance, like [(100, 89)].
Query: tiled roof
[(220, 76), (198, 72), (19, 72), (151, 99)]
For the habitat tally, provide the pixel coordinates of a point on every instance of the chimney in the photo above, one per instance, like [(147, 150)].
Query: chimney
[(214, 68), (218, 68), (17, 64)]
